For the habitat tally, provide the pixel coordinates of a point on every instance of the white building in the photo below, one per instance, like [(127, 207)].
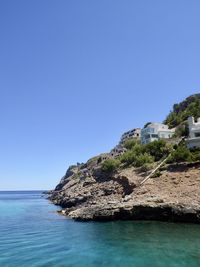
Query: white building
[(134, 133), (155, 131), (194, 133)]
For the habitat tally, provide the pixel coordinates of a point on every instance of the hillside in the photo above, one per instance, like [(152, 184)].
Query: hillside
[(180, 112), (108, 187)]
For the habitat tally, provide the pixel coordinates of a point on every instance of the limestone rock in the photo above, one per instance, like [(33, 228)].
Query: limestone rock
[(86, 193)]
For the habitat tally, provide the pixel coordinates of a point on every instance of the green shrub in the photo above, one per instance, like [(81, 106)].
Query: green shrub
[(146, 167), (158, 149), (143, 159), (110, 165), (195, 154), (189, 107), (128, 157), (195, 149), (156, 174), (139, 149), (181, 154), (129, 144), (137, 159), (182, 130)]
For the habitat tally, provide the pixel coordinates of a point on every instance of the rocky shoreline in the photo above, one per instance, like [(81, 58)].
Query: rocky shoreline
[(110, 186), (85, 193)]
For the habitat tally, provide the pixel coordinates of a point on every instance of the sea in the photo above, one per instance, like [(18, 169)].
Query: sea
[(33, 233)]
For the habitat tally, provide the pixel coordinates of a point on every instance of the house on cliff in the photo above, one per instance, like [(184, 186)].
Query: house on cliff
[(155, 131), (194, 133), (134, 133), (120, 149)]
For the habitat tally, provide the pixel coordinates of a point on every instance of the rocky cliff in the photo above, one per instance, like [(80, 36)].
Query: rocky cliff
[(108, 187), (86, 193)]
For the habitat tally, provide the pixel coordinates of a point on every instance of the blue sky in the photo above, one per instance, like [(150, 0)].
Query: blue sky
[(74, 75)]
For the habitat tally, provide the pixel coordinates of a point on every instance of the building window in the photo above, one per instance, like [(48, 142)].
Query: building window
[(197, 134)]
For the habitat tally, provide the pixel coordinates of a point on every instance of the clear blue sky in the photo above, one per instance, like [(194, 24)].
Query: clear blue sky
[(74, 75)]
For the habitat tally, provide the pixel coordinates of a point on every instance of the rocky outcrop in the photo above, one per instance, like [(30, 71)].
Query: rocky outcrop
[(87, 193), (93, 191), (139, 211)]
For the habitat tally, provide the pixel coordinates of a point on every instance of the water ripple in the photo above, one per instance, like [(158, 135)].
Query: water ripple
[(33, 234)]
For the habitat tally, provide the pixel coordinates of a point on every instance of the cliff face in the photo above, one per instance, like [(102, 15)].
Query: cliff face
[(85, 193), (99, 191), (88, 186)]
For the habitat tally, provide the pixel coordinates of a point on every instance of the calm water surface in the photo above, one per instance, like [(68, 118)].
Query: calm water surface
[(33, 234)]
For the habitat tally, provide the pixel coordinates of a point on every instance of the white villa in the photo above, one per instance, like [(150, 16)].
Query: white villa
[(155, 131), (194, 133)]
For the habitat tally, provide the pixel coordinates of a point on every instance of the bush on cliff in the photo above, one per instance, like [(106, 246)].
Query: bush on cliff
[(189, 107), (195, 154), (110, 165), (137, 156), (131, 155), (182, 130), (181, 154), (158, 149), (144, 155), (129, 144), (143, 159), (128, 157)]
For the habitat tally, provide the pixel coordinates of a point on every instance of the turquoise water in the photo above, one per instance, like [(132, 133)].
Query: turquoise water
[(33, 234)]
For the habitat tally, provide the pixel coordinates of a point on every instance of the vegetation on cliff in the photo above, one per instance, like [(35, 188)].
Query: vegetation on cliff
[(138, 155), (189, 107), (183, 154), (110, 165), (106, 187), (146, 156)]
